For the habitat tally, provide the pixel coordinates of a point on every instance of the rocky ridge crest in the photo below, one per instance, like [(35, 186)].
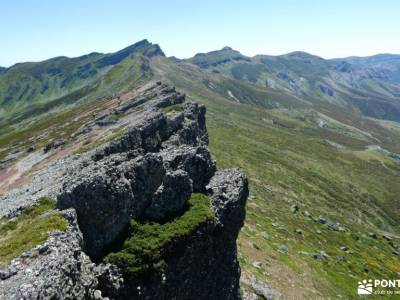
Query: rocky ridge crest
[(147, 174)]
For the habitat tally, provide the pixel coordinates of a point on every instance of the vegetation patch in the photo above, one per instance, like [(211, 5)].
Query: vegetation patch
[(144, 249), (172, 109), (28, 230)]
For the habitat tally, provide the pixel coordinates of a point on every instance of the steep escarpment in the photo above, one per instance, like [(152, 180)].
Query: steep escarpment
[(148, 214)]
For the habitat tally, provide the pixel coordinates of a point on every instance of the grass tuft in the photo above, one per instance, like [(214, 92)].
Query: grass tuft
[(28, 230)]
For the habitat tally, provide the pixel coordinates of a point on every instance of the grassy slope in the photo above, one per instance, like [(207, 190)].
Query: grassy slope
[(357, 188), (55, 116), (31, 228), (365, 87), (30, 89)]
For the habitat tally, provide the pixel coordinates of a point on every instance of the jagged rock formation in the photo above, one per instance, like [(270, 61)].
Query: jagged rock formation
[(149, 175), (203, 265)]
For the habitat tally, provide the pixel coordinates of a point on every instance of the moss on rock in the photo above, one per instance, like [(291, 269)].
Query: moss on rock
[(143, 250)]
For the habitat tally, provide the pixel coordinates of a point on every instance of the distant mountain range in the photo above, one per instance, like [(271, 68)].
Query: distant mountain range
[(368, 86), (365, 85)]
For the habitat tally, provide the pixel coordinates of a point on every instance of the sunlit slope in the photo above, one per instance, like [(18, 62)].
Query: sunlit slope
[(30, 89), (368, 86), (340, 193)]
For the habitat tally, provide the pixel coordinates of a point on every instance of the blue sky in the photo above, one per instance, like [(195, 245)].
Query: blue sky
[(32, 30)]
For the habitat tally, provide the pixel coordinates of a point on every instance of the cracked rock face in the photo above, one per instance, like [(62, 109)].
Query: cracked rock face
[(149, 173), (196, 161), (171, 197), (106, 196)]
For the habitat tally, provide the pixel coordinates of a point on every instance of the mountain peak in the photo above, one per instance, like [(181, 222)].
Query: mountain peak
[(302, 55), (227, 48), (217, 57), (149, 49), (143, 47)]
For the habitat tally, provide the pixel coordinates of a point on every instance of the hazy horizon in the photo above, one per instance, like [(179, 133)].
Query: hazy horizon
[(36, 31)]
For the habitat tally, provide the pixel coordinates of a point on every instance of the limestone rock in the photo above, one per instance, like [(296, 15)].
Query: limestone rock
[(64, 271)]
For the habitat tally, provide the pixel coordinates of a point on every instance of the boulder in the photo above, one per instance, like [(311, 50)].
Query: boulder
[(283, 248), (294, 208), (373, 235), (54, 145)]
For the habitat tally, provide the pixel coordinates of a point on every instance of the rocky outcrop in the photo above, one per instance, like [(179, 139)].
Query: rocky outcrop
[(259, 290), (148, 175), (326, 90), (58, 269), (384, 151), (196, 161), (54, 145), (229, 190), (155, 130), (108, 193), (203, 265)]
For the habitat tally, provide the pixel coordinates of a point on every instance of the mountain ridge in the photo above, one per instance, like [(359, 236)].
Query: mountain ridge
[(26, 87), (300, 52), (369, 86), (127, 49)]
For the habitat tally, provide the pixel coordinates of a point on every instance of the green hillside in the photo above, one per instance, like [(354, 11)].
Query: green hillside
[(29, 89), (339, 195), (368, 86)]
